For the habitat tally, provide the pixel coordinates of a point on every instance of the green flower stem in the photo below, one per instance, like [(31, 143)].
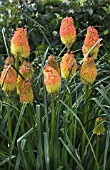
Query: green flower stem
[(71, 118), (23, 131), (52, 132), (9, 124), (17, 62), (85, 120), (9, 131), (97, 151), (64, 151)]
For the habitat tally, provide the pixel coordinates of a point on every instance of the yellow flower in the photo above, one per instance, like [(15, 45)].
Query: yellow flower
[(67, 32), (68, 65), (26, 93), (19, 43), (88, 71), (8, 79), (99, 127), (51, 79), (91, 38)]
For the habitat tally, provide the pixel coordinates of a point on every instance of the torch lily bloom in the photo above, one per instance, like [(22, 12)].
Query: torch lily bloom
[(52, 79), (8, 79), (91, 38), (68, 65), (67, 32), (52, 62), (26, 71), (19, 43), (88, 71), (26, 93), (9, 61)]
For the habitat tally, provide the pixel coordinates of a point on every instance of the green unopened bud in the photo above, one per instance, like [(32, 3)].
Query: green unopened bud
[(99, 127)]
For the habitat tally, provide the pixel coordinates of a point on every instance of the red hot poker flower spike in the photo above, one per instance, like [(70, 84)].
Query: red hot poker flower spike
[(67, 32), (19, 43)]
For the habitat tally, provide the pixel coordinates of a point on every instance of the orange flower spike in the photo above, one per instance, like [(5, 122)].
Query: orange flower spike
[(52, 62), (68, 65), (88, 71), (19, 43), (52, 79), (67, 32), (26, 93), (9, 61), (26, 70), (91, 38), (9, 79)]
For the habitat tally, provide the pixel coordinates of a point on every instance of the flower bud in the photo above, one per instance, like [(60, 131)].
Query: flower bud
[(68, 65), (88, 71), (52, 62), (8, 79), (51, 79), (26, 71), (9, 61), (91, 38), (99, 127), (19, 43), (26, 93), (67, 32)]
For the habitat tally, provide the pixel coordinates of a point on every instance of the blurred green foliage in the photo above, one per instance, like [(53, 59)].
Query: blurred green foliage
[(42, 20)]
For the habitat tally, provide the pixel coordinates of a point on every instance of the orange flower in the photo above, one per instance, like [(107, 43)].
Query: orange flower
[(51, 79), (52, 62), (9, 79), (26, 71), (19, 43), (26, 93), (91, 38), (67, 32), (68, 65), (9, 60), (88, 71)]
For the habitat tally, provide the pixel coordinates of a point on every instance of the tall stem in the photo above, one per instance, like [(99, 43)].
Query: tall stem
[(97, 151), (85, 120), (16, 62), (71, 118), (9, 132), (9, 125), (52, 132)]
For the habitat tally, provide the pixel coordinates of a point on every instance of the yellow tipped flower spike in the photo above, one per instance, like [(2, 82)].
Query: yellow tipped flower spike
[(51, 79), (67, 32), (9, 61), (9, 80), (19, 43), (26, 93), (26, 70), (68, 65), (91, 38), (88, 71), (99, 127), (52, 62)]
